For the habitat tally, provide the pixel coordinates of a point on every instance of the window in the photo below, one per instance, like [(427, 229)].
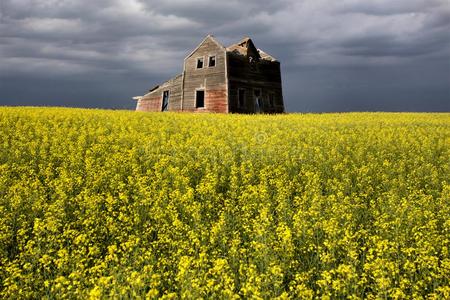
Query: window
[(241, 97), (165, 101), (212, 61), (200, 63), (199, 98), (272, 99)]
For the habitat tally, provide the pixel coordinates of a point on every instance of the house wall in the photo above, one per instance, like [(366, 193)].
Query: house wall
[(153, 100), (211, 79), (264, 75)]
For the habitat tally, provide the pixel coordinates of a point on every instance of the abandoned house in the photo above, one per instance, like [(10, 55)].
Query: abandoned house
[(236, 79)]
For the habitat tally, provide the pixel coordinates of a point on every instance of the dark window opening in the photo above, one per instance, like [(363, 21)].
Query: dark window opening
[(200, 99), (212, 61), (241, 97), (165, 101), (199, 63), (258, 100), (272, 100)]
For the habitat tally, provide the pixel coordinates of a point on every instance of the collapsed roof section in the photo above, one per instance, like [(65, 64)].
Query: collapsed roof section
[(246, 48)]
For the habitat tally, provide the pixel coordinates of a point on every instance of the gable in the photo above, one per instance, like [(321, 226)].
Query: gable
[(207, 40)]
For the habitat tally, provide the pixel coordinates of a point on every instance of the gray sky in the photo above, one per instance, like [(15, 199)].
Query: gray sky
[(349, 55)]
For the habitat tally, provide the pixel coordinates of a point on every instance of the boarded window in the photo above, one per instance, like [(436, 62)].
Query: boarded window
[(199, 99), (272, 99), (199, 63), (212, 61), (241, 97), (165, 101)]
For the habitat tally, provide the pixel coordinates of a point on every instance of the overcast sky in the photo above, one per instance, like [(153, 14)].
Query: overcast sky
[(349, 55)]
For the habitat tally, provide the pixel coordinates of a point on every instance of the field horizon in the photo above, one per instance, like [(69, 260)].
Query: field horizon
[(187, 112)]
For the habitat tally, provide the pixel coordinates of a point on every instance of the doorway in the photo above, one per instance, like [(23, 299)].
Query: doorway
[(165, 101)]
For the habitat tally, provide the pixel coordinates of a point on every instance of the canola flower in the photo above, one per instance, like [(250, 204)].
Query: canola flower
[(114, 204)]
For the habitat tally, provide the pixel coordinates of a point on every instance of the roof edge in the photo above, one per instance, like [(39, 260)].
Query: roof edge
[(266, 56), (164, 83), (209, 36)]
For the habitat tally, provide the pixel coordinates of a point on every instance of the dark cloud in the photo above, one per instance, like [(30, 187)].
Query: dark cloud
[(388, 45), (336, 56), (388, 7)]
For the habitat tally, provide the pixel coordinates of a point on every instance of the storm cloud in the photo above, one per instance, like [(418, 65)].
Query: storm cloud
[(335, 55)]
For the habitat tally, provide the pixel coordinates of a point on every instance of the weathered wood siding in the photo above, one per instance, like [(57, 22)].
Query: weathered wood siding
[(262, 74), (153, 100), (211, 79)]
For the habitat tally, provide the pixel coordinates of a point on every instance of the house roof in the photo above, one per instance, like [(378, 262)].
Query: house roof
[(245, 46), (266, 56), (240, 47), (165, 83), (208, 37)]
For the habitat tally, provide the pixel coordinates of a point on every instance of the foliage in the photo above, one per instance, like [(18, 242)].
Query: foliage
[(115, 204)]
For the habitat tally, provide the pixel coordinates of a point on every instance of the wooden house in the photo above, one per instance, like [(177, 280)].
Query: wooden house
[(235, 79)]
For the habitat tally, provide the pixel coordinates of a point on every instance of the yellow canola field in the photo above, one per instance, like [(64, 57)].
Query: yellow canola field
[(119, 204)]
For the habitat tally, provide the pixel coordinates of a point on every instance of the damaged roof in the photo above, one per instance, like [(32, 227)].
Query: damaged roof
[(245, 46), (266, 56), (165, 83)]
